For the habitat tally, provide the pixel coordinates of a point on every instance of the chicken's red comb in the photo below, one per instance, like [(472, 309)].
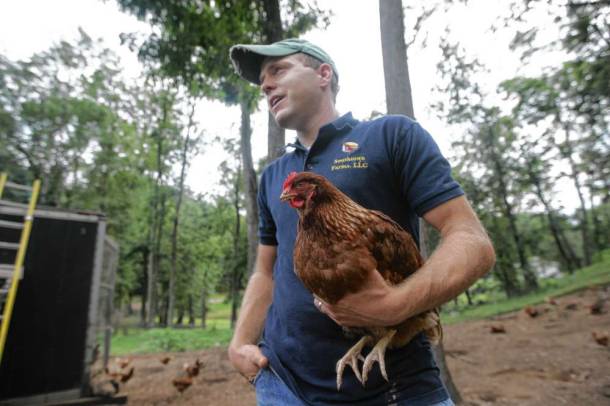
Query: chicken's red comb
[(289, 180)]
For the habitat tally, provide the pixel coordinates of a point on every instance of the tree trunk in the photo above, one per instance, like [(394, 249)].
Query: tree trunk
[(234, 262), (567, 152), (174, 255), (191, 310), (150, 287), (272, 27), (504, 267), (144, 307), (564, 250), (531, 281), (157, 262), (399, 100), (250, 181), (598, 234), (204, 306), (156, 225)]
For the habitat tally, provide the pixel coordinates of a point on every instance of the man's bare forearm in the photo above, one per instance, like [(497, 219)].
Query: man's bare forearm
[(256, 301), (462, 257), (253, 310)]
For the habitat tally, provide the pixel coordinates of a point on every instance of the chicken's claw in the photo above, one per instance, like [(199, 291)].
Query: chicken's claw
[(351, 358), (377, 354)]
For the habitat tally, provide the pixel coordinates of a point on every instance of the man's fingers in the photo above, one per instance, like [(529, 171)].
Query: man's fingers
[(262, 362), (256, 356)]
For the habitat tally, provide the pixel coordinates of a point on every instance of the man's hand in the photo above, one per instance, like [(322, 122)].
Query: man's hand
[(247, 359), (373, 305)]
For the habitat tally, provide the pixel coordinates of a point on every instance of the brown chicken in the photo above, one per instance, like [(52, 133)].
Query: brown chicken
[(338, 243), (123, 362), (531, 311), (117, 376), (497, 329), (597, 307), (600, 337), (193, 370), (182, 382)]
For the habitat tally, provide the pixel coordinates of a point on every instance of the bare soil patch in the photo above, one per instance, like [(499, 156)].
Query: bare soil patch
[(551, 359)]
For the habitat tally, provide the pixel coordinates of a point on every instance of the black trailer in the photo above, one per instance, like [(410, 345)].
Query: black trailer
[(61, 309)]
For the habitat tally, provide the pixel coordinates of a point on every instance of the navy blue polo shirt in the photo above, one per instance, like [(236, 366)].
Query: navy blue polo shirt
[(390, 164)]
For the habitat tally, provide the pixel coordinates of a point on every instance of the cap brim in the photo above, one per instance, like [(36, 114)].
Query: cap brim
[(247, 59)]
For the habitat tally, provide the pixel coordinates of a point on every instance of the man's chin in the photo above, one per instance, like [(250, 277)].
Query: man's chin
[(283, 120)]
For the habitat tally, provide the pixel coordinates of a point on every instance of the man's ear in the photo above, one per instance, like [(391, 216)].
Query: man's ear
[(326, 74)]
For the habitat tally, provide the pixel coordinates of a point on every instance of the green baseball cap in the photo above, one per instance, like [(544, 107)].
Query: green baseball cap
[(247, 59)]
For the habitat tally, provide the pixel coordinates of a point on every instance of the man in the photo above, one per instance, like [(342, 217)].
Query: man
[(390, 164)]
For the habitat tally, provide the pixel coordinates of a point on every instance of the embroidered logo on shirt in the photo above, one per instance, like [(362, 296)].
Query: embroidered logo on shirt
[(350, 162), (349, 147)]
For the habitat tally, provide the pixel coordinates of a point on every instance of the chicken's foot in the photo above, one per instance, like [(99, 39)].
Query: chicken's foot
[(351, 358), (377, 354)]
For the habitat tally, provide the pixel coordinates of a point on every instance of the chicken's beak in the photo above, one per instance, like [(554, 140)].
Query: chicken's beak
[(286, 195)]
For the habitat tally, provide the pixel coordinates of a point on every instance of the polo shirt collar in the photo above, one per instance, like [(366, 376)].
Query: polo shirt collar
[(340, 124), (345, 122)]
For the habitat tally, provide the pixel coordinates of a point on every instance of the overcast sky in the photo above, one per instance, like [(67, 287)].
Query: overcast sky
[(352, 39)]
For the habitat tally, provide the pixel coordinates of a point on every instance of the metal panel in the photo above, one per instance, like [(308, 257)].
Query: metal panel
[(52, 308), (93, 304), (53, 214)]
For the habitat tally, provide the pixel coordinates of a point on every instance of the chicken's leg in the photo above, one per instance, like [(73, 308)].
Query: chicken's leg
[(351, 358), (377, 354)]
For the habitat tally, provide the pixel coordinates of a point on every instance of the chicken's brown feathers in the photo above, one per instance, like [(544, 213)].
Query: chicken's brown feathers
[(339, 242)]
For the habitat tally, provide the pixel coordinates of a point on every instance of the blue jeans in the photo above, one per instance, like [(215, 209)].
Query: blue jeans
[(271, 391)]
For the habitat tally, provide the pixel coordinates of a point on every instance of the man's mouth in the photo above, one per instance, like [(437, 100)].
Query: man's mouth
[(275, 100)]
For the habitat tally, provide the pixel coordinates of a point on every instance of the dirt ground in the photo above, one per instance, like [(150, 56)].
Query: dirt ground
[(551, 359)]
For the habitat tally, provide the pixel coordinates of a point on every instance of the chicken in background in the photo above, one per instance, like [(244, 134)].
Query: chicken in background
[(185, 377), (600, 338), (338, 244), (120, 375), (531, 311), (598, 307), (182, 382), (193, 370), (165, 360), (497, 329), (123, 362)]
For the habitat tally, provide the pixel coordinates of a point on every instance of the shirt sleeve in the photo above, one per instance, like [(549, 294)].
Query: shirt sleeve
[(424, 174), (266, 225)]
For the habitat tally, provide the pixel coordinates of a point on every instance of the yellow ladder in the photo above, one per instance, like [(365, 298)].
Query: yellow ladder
[(5, 270)]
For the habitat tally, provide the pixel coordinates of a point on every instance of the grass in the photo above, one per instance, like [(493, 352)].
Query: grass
[(596, 274), (218, 333), (137, 340)]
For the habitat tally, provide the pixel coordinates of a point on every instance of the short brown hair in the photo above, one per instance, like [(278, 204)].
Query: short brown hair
[(315, 63)]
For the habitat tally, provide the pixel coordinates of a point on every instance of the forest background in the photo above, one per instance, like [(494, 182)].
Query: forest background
[(530, 146)]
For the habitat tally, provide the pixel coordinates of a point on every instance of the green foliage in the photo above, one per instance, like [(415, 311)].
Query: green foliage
[(99, 144), (497, 303), (139, 340), (196, 36), (509, 162), (163, 340)]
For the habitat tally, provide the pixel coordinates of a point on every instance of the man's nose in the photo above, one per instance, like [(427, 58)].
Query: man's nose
[(267, 85)]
